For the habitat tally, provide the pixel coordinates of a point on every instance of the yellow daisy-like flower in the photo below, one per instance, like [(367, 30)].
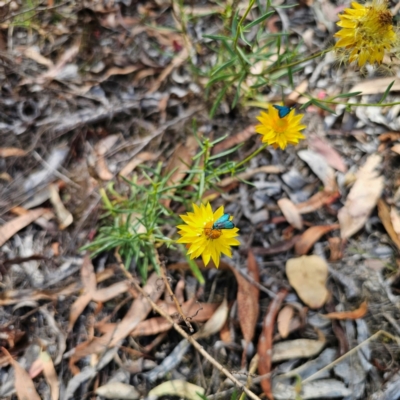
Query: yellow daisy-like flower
[(367, 32), (204, 240), (279, 132)]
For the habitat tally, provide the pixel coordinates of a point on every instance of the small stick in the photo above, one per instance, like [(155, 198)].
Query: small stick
[(190, 339), (171, 293), (349, 353)]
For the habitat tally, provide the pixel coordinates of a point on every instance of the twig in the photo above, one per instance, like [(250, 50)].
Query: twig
[(349, 353), (190, 339), (171, 293)]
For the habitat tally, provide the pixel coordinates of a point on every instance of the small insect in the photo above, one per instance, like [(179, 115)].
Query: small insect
[(223, 223), (282, 110)]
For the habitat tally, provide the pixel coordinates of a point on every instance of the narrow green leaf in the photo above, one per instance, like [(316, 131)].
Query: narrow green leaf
[(196, 271), (223, 66), (346, 95), (322, 105), (243, 56), (387, 91), (244, 38), (237, 94), (219, 78), (218, 100), (217, 37), (259, 20), (226, 152)]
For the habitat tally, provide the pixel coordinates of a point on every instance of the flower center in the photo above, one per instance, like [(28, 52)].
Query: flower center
[(210, 232)]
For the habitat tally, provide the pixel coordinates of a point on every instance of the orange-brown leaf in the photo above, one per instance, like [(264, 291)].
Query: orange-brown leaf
[(311, 236), (355, 314), (284, 318), (291, 213), (386, 219)]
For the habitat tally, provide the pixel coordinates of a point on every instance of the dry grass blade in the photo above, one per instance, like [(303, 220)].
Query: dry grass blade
[(23, 383), (9, 229)]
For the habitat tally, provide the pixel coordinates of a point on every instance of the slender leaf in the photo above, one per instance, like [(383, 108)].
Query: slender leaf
[(322, 105), (387, 91), (346, 95), (217, 37), (224, 65), (259, 20), (218, 100)]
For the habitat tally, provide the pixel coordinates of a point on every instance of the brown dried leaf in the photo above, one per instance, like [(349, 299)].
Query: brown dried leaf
[(64, 217), (384, 215), (88, 278), (311, 236), (316, 201), (396, 148), (108, 293), (291, 213), (50, 375), (332, 157), (335, 248), (362, 198), (358, 313), (375, 86), (24, 385), (284, 319), (9, 229), (308, 275), (139, 309), (11, 152), (215, 323), (395, 218), (234, 140), (248, 298), (137, 160), (264, 346), (101, 148)]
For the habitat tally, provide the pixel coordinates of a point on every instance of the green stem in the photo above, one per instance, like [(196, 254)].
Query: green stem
[(235, 42), (294, 63)]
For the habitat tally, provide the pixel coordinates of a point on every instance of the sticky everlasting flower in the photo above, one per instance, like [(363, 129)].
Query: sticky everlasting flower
[(277, 131), (367, 32), (201, 237)]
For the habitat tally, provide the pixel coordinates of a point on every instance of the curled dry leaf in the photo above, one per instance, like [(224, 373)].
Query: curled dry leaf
[(101, 148), (24, 385), (299, 348), (11, 152), (118, 390), (395, 218), (362, 198), (317, 201), (291, 213), (386, 219), (358, 313), (284, 318), (50, 374), (64, 217), (320, 167), (177, 388), (311, 236), (308, 275), (9, 229), (137, 160)]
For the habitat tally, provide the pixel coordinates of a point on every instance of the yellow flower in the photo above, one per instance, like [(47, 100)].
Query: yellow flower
[(367, 32), (279, 132), (200, 237)]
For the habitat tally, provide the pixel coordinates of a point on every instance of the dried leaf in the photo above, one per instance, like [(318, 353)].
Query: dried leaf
[(178, 388), (311, 236), (395, 218), (108, 293), (50, 375), (299, 348), (11, 152), (362, 198), (332, 157), (316, 201), (375, 86), (139, 309), (291, 213), (64, 217), (284, 318), (24, 385), (358, 313), (137, 160), (308, 275), (335, 248), (215, 323), (118, 390), (386, 219), (233, 140), (180, 163), (320, 167), (9, 229), (264, 346), (101, 148)]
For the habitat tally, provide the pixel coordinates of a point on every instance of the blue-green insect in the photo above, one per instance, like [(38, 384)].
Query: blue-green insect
[(223, 223), (282, 110)]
